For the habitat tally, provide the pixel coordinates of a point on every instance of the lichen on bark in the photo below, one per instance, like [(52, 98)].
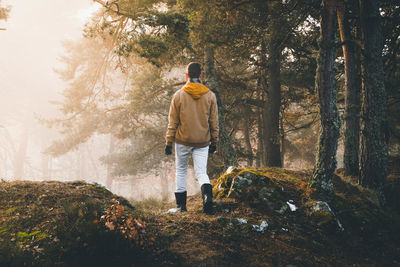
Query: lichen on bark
[(329, 117)]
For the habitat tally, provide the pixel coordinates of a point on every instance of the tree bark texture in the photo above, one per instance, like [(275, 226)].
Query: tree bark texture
[(373, 143), (260, 159), (225, 142), (330, 124), (249, 150), (282, 136), (272, 106), (352, 93)]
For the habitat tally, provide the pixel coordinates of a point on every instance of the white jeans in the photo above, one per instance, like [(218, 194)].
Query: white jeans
[(200, 156)]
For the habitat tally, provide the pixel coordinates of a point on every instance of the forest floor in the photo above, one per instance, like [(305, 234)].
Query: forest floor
[(79, 224)]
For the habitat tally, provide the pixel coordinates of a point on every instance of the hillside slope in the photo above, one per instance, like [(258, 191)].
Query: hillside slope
[(263, 217)]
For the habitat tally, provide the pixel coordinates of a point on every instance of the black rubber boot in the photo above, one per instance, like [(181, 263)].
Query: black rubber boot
[(181, 200), (206, 192)]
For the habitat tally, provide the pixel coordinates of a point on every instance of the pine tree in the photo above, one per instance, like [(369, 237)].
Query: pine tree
[(328, 139), (374, 130), (228, 153), (352, 72)]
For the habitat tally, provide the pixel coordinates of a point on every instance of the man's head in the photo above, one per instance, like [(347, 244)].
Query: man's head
[(194, 70)]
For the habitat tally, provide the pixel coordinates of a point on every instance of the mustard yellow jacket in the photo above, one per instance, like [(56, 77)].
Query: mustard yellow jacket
[(193, 117)]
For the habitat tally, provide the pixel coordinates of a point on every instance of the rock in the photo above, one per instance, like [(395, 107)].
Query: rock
[(321, 214), (260, 228), (240, 221), (229, 170), (251, 187), (291, 205), (173, 210), (266, 193)]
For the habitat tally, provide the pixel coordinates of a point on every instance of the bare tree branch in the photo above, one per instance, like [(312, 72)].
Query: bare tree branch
[(116, 11)]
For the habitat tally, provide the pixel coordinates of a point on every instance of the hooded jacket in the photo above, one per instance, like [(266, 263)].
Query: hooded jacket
[(193, 117)]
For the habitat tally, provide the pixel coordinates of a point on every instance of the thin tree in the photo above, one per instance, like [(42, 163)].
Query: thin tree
[(352, 92), (273, 104), (329, 118), (226, 146)]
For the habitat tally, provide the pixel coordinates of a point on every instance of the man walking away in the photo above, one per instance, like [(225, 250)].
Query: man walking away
[(193, 127)]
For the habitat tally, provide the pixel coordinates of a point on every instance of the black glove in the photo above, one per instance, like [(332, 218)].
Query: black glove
[(168, 150), (212, 149)]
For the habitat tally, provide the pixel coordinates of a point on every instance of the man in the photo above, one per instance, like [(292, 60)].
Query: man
[(193, 127)]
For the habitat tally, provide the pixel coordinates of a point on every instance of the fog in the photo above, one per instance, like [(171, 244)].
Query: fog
[(30, 51), (30, 48)]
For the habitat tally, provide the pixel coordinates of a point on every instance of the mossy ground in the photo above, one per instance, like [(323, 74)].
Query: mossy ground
[(32, 215), (370, 237), (61, 224)]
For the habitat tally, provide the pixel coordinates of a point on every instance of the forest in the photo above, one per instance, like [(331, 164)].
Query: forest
[(285, 80), (308, 93)]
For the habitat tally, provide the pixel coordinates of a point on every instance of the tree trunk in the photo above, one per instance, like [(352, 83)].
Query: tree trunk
[(324, 83), (352, 94), (20, 156), (225, 142), (373, 143), (249, 150), (45, 166), (163, 173), (260, 134), (111, 148), (282, 136), (262, 84), (272, 107)]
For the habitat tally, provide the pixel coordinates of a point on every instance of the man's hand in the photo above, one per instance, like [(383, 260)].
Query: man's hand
[(212, 149), (168, 150)]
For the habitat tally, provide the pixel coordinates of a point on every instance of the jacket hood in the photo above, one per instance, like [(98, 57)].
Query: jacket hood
[(196, 90)]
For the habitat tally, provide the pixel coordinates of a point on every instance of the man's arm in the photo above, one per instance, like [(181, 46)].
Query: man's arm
[(214, 126), (173, 122)]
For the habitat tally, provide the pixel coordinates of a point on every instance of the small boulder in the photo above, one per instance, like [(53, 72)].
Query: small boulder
[(260, 228), (322, 215), (258, 188)]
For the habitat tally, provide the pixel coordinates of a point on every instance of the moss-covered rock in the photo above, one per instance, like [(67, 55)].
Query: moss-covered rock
[(322, 215), (252, 187)]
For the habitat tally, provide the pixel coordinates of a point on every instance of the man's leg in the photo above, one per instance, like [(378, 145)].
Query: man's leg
[(181, 159), (200, 157)]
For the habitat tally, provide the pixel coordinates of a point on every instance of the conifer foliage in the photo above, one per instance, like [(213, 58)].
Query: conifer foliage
[(277, 84), (4, 12)]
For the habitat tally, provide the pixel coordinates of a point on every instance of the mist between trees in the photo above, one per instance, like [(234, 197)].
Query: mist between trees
[(299, 85)]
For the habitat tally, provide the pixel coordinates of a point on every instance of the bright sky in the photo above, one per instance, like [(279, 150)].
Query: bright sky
[(30, 48)]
